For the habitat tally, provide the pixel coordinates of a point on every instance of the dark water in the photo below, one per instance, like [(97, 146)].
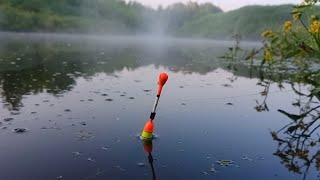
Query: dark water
[(84, 100)]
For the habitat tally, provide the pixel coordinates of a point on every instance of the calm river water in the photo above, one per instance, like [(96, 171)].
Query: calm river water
[(72, 107)]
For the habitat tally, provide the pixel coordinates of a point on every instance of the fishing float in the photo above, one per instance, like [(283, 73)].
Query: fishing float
[(147, 132)]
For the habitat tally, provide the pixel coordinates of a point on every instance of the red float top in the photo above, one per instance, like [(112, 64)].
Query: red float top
[(163, 77)]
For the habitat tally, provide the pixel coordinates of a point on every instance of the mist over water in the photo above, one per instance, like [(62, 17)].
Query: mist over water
[(149, 39), (78, 79)]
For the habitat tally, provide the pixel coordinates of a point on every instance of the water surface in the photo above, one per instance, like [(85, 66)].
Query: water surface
[(84, 100)]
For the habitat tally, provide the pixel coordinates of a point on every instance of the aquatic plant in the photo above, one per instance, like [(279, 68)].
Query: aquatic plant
[(292, 55), (292, 52)]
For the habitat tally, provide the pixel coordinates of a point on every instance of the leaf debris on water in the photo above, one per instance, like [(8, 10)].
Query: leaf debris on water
[(227, 85), (119, 167), (91, 159), (106, 148), (76, 153), (83, 135), (213, 169), (205, 173), (8, 119), (14, 113), (225, 162), (20, 130), (83, 123), (244, 157), (141, 164)]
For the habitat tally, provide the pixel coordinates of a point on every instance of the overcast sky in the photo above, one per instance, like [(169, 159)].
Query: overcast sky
[(224, 4)]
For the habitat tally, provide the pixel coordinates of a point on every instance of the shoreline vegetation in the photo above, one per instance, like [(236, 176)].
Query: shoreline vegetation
[(130, 18)]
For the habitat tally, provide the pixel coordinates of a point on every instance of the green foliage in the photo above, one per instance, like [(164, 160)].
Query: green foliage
[(291, 51), (70, 15), (294, 49), (249, 22), (178, 15), (116, 16), (298, 39)]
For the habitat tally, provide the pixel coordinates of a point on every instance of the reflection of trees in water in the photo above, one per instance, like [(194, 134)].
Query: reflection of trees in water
[(37, 67), (298, 141), (34, 66), (34, 80)]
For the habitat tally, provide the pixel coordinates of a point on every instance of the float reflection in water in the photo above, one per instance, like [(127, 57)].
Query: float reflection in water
[(148, 147)]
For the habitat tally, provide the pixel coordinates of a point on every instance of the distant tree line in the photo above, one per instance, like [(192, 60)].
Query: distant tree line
[(95, 15), (117, 16)]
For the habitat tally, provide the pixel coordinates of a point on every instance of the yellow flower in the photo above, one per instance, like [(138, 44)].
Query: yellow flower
[(315, 27), (267, 33), (297, 16), (268, 55), (287, 26)]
